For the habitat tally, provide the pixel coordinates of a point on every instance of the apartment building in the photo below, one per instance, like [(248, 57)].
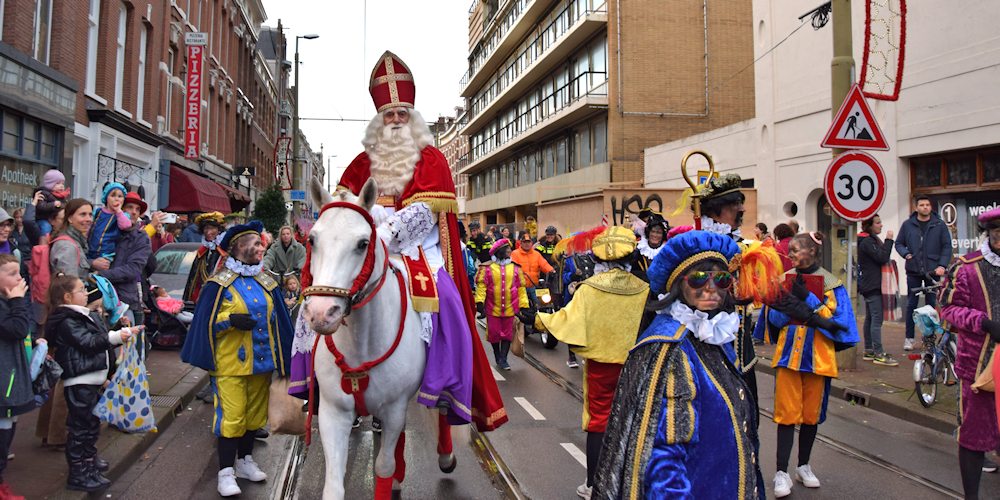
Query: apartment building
[(99, 93), (563, 96)]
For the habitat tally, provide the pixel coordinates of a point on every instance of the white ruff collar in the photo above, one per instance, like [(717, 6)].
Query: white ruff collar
[(242, 269), (711, 225), (647, 251), (988, 252), (716, 331)]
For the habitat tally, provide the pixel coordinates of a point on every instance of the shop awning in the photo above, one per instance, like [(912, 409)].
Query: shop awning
[(238, 200), (190, 192)]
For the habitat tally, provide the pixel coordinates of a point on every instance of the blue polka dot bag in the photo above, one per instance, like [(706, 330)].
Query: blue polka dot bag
[(126, 403)]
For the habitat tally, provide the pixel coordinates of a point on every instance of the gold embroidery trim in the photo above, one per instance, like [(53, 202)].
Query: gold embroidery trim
[(648, 407)]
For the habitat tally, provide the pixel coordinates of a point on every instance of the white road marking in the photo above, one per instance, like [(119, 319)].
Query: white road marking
[(575, 453), (496, 375), (528, 407)]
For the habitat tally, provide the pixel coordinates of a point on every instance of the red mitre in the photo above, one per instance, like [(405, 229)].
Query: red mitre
[(391, 83)]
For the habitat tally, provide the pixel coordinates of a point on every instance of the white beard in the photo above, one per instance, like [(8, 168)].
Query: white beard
[(394, 157)]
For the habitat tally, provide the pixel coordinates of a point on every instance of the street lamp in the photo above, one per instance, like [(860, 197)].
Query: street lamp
[(296, 166)]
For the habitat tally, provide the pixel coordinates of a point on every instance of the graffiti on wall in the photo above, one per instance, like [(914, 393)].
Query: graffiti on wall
[(625, 204)]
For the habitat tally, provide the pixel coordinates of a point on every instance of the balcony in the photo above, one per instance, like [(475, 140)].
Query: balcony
[(493, 62), (501, 39), (584, 96)]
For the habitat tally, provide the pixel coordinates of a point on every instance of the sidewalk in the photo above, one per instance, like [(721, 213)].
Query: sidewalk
[(886, 389), (38, 472)]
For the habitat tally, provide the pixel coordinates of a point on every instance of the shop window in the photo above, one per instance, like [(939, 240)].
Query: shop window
[(961, 170), (991, 167), (927, 173), (11, 134), (49, 139)]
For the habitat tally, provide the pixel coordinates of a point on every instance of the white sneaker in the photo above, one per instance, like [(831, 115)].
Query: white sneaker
[(908, 344), (804, 474), (583, 491), (246, 468), (782, 484), (227, 483), (572, 363)]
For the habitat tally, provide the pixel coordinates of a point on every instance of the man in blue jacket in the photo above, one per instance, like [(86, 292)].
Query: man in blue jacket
[(925, 242)]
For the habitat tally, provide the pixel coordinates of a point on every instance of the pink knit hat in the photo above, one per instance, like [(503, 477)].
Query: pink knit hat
[(502, 242), (51, 178)]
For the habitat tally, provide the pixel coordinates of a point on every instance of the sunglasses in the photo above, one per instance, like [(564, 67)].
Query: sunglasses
[(698, 279)]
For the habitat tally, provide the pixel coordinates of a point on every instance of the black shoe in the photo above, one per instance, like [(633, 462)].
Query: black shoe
[(205, 394), (96, 473), (101, 464), (81, 478), (261, 433), (376, 425)]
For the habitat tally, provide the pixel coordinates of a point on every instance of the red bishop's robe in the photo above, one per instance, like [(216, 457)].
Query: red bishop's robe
[(432, 184)]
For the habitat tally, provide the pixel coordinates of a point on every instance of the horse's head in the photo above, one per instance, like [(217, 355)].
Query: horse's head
[(340, 239)]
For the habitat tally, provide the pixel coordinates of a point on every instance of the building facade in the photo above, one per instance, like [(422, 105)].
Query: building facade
[(563, 96), (99, 93), (943, 131), (455, 148)]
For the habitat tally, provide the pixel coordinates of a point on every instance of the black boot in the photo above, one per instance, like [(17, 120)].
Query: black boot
[(80, 478), (101, 464), (96, 473), (496, 353), (504, 349)]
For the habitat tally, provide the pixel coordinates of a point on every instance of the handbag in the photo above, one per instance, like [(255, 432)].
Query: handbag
[(284, 412), (517, 344), (984, 381), (48, 376), (126, 403)]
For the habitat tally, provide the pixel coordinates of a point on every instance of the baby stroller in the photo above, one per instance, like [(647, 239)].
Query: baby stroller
[(163, 329)]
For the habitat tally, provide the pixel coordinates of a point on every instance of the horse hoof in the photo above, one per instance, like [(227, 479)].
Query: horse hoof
[(447, 462)]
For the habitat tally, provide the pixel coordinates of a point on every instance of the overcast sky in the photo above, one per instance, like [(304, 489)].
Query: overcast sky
[(430, 36)]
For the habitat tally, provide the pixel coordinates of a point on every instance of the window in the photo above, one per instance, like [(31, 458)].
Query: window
[(140, 89), (169, 90), (43, 30), (991, 167), (961, 170), (927, 173), (92, 37), (1, 18), (561, 157), (600, 141), (583, 146), (120, 57), (29, 139)]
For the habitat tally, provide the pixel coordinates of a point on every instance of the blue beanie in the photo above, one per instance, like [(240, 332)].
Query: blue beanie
[(111, 186)]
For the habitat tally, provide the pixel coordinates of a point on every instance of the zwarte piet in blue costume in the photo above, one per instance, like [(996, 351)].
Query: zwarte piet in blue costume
[(241, 334), (683, 423)]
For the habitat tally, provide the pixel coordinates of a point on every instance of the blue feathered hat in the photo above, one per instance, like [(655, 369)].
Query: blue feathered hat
[(681, 252), (108, 188), (252, 227)]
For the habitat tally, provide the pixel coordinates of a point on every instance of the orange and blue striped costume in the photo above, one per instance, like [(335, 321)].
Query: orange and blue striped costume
[(805, 357)]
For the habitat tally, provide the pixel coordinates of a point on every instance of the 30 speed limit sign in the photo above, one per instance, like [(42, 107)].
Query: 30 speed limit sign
[(855, 185)]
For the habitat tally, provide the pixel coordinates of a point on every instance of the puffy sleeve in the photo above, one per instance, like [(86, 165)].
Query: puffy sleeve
[(199, 344), (959, 309), (666, 474), (481, 284), (432, 183), (836, 304), (522, 292), (569, 324), (356, 175)]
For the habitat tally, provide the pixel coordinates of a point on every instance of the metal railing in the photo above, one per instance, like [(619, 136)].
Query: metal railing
[(531, 51), (583, 85), (483, 52)]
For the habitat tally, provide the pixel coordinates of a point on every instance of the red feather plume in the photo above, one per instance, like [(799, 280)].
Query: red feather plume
[(583, 242)]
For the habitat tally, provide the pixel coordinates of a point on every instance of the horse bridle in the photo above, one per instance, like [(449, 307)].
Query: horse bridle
[(357, 296)]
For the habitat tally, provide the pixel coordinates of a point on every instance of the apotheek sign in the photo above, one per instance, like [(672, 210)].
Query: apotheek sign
[(18, 180)]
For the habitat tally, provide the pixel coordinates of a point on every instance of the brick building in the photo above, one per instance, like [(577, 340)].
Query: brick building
[(455, 148), (564, 95), (101, 96)]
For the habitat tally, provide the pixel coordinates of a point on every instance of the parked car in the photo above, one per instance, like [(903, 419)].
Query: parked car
[(173, 263)]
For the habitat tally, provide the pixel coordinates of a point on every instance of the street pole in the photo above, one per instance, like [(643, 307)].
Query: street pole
[(841, 78), (296, 166)]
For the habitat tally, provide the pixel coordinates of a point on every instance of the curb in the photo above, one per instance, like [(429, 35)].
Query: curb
[(934, 420), (124, 450)]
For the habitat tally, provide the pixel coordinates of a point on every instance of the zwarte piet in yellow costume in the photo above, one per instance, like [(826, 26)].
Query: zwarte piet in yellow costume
[(241, 334)]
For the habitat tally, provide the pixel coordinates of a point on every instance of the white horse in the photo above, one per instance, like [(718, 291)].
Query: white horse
[(341, 239)]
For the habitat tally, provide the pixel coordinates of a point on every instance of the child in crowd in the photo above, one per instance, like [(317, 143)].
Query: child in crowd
[(109, 222), (291, 291), (54, 196), (170, 305), (83, 348), (15, 318)]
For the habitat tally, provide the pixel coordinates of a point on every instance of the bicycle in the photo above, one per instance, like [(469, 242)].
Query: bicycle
[(935, 364)]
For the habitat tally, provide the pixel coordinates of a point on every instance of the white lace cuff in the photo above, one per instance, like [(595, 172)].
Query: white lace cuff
[(406, 229)]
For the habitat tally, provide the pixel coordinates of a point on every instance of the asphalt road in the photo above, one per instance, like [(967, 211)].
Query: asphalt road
[(539, 453)]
